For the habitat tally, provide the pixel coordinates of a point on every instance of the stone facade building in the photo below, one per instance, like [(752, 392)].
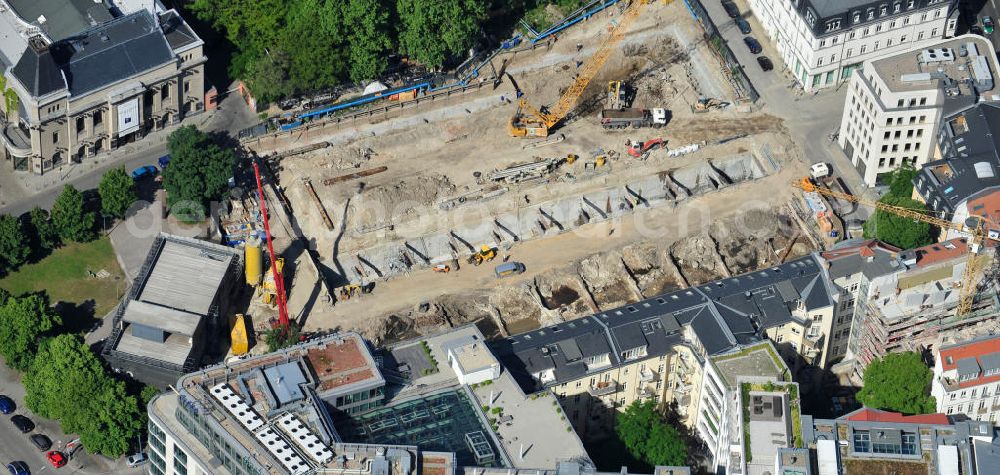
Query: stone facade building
[(80, 81)]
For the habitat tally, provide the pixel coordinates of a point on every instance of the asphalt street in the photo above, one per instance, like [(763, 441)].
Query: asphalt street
[(15, 446), (811, 118)]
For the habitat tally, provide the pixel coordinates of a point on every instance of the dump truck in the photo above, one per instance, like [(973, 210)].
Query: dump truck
[(624, 118)]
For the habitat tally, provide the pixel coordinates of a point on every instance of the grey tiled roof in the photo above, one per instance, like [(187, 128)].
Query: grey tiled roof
[(968, 366), (178, 33), (980, 144), (38, 73), (111, 52), (990, 361), (723, 315), (63, 18)]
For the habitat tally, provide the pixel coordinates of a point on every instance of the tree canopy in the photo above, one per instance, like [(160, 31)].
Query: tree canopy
[(430, 30), (45, 233), (23, 320), (67, 382), (648, 437), (117, 191), (898, 382), (897, 230), (892, 228), (70, 217), (14, 243), (199, 171), (288, 46)]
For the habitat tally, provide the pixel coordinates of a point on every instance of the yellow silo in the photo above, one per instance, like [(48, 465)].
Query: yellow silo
[(252, 260)]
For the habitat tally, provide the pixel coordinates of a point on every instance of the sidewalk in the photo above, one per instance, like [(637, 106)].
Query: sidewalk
[(16, 187)]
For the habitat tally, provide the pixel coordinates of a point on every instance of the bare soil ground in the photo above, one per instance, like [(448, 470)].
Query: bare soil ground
[(434, 153)]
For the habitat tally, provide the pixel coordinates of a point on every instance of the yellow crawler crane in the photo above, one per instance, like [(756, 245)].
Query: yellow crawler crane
[(531, 122)]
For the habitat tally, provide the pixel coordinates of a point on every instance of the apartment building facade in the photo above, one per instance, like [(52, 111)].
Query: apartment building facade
[(823, 42), (967, 379), (76, 89), (658, 348), (914, 306), (895, 103)]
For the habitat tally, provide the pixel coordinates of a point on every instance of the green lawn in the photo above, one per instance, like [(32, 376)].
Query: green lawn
[(64, 275)]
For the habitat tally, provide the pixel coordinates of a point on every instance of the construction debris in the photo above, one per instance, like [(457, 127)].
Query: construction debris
[(354, 176)]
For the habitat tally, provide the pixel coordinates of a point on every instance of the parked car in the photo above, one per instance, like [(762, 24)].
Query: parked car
[(135, 460), (163, 161), (143, 171), (976, 30), (18, 468), (42, 441), (743, 25), (988, 25), (731, 9), (56, 458), (7, 405), (508, 268), (765, 63), (752, 44), (22, 423)]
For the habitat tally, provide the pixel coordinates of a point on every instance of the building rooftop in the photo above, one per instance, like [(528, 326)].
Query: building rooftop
[(61, 19), (721, 315), (960, 67), (343, 364), (179, 35), (970, 167), (162, 316), (870, 257), (759, 361), (97, 57), (971, 363), (471, 353), (769, 430), (929, 278), (185, 274), (866, 414)]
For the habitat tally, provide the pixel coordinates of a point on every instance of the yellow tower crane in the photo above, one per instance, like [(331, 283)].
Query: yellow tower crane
[(528, 121), (975, 227)]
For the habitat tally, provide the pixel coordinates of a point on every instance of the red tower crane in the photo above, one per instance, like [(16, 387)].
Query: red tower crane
[(279, 281)]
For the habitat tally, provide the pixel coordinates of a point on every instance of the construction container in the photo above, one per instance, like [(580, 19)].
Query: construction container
[(252, 259), (238, 336)]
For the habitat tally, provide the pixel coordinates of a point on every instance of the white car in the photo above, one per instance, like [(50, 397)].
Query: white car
[(819, 170), (135, 460)]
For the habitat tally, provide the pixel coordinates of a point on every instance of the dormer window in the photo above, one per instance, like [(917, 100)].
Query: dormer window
[(810, 18), (969, 377), (871, 14), (857, 17), (895, 7), (882, 10)]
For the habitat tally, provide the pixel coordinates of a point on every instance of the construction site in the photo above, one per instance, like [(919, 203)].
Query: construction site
[(658, 175)]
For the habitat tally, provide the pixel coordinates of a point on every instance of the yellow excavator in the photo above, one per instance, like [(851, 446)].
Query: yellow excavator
[(485, 254), (528, 121), (976, 227)]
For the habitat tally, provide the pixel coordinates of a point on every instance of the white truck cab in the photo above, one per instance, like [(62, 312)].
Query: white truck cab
[(819, 170)]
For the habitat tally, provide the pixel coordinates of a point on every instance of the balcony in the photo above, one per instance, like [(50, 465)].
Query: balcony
[(603, 388), (17, 140), (647, 375), (644, 392)]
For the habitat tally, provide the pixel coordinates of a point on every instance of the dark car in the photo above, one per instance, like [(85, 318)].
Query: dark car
[(22, 423), (752, 44), (976, 30), (765, 63), (41, 441), (18, 468), (731, 9), (743, 25), (7, 405)]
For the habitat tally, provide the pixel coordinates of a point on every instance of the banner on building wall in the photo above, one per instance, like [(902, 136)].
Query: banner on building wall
[(128, 117)]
